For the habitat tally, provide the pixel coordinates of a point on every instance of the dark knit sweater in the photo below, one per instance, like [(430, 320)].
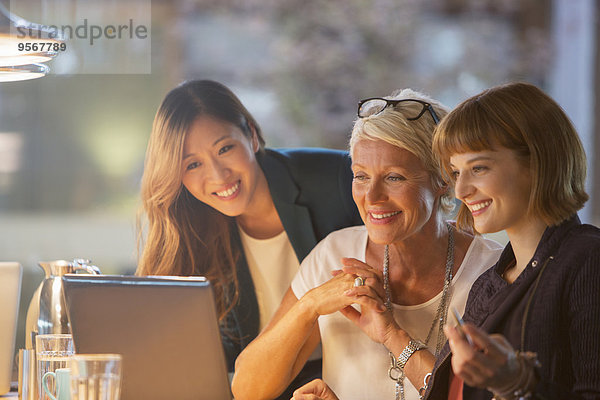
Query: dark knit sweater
[(562, 323)]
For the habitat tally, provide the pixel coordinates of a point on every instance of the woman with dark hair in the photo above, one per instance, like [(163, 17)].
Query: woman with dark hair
[(219, 204), (533, 319)]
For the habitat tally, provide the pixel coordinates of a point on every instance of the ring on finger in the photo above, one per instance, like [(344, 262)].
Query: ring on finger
[(359, 281)]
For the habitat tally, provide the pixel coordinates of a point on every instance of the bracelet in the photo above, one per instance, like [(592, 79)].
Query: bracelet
[(425, 385), (522, 389), (396, 371), (413, 346)]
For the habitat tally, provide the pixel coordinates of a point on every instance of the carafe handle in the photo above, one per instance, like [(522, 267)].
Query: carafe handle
[(81, 264)]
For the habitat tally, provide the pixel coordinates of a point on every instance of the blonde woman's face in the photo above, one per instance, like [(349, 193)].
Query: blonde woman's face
[(495, 185), (392, 190), (219, 166)]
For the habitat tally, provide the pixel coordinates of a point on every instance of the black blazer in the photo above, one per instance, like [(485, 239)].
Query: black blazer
[(312, 192)]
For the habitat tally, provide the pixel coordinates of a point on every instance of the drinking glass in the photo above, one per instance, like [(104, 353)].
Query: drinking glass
[(52, 352), (96, 376)]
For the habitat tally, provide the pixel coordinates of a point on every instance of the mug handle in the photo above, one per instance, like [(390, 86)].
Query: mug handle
[(45, 383)]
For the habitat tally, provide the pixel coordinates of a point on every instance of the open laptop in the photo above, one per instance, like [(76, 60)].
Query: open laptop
[(165, 328), (10, 289)]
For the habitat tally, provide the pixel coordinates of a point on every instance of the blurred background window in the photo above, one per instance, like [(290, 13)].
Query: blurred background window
[(72, 143)]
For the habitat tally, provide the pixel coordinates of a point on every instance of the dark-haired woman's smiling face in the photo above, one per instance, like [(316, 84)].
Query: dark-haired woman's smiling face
[(219, 166)]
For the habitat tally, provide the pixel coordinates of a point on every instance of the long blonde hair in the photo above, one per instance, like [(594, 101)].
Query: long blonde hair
[(183, 235)]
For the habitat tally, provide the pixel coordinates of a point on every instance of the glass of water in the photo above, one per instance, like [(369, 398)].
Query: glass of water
[(52, 352), (96, 376)]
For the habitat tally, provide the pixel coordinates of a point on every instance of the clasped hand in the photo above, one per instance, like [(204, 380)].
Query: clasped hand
[(314, 390), (374, 318), (339, 293)]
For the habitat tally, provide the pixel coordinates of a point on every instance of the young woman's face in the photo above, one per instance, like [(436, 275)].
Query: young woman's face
[(219, 165), (495, 185), (392, 190)]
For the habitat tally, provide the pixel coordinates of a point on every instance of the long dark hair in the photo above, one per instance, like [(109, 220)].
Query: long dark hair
[(183, 235)]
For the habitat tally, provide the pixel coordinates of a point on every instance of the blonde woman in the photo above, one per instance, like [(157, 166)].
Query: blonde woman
[(405, 268), (219, 204)]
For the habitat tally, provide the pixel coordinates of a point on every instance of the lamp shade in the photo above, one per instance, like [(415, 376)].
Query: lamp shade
[(23, 45), (22, 72)]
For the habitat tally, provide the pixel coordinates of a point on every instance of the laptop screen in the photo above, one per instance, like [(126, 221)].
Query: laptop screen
[(165, 328)]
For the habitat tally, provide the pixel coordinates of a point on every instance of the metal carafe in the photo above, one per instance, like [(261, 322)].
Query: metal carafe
[(47, 312)]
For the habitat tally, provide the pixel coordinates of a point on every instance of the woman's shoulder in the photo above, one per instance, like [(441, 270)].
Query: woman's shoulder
[(586, 232), (481, 254), (577, 256), (346, 242), (479, 247), (349, 237), (325, 257), (582, 241), (487, 244)]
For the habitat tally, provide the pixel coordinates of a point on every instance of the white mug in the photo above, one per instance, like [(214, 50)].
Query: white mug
[(62, 384)]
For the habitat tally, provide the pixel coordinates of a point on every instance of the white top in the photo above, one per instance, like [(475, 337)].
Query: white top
[(354, 366), (273, 264)]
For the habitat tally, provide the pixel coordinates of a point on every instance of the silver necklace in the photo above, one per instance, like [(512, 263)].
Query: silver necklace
[(440, 314)]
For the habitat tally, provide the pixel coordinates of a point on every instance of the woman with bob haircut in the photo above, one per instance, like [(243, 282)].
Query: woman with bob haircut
[(533, 319), (221, 205), (405, 268)]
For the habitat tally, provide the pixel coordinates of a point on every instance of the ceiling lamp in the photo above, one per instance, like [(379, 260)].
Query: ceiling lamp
[(23, 45), (22, 72)]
